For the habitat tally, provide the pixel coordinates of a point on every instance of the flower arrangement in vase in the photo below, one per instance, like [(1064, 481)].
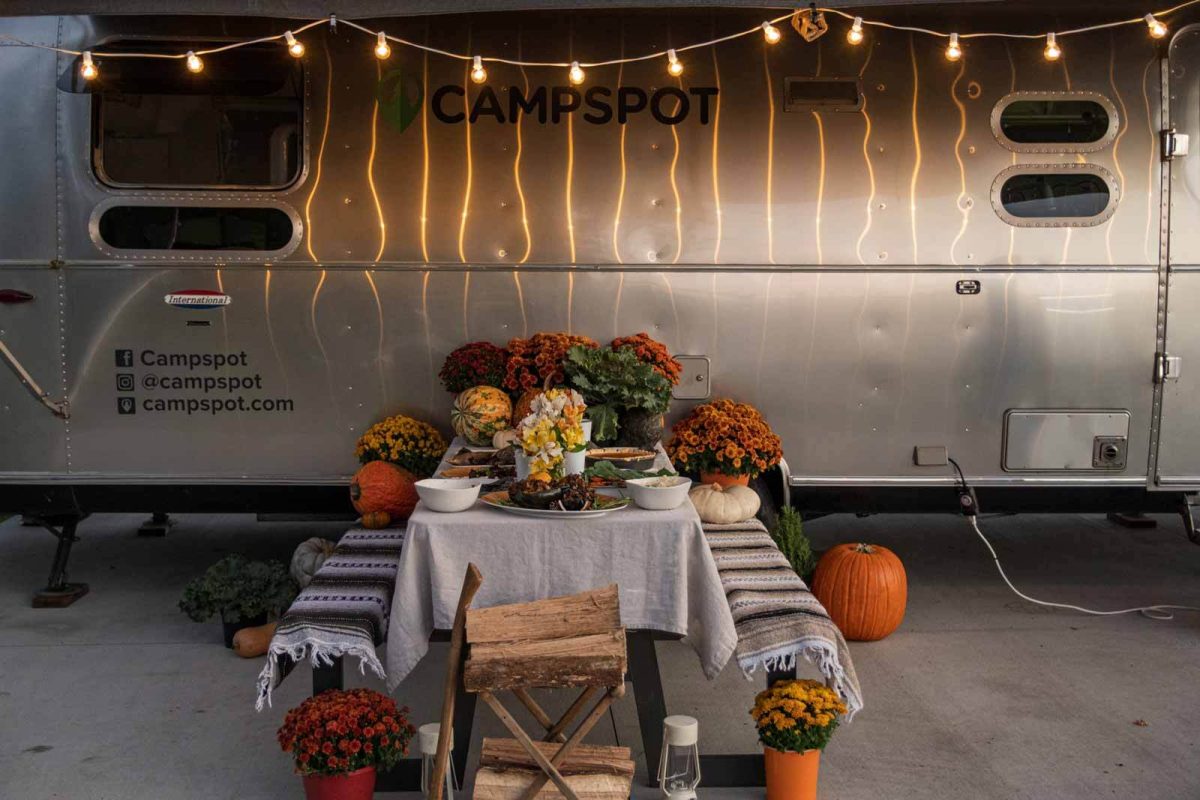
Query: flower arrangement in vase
[(552, 432), (795, 721), (339, 737), (406, 442), (724, 442), (474, 364)]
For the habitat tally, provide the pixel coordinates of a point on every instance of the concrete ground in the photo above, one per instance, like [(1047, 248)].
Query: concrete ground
[(978, 695)]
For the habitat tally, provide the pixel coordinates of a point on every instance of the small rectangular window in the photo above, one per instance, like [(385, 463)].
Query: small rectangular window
[(822, 94), (238, 124), (1054, 121), (1076, 194), (252, 228)]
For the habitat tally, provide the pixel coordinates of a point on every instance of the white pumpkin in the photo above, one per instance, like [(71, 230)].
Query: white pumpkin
[(308, 558), (720, 505), (506, 438)]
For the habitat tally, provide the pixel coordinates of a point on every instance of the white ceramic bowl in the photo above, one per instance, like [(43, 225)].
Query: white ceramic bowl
[(448, 494), (658, 498)]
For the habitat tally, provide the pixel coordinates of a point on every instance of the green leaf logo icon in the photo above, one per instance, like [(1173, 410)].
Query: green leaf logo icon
[(400, 99)]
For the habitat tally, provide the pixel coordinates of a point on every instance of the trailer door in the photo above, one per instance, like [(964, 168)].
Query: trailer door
[(1177, 366)]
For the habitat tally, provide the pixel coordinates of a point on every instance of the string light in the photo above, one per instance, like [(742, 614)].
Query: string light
[(674, 65), (194, 64), (953, 50), (1052, 51), (294, 47), (88, 69), (478, 73), (382, 48), (855, 36)]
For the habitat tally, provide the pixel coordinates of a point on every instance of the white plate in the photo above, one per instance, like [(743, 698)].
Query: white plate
[(539, 513)]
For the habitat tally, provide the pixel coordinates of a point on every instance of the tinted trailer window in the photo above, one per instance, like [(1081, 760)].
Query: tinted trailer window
[(238, 124)]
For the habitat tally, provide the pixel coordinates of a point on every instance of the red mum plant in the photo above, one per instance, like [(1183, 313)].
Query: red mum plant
[(652, 352), (538, 360), (474, 364), (338, 732)]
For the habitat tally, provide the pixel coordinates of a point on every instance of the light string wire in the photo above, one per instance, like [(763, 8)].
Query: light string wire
[(757, 29)]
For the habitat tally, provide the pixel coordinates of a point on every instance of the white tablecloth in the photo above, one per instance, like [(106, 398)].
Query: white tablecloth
[(660, 560)]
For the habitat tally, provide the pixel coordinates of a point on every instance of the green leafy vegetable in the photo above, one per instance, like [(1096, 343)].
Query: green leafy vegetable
[(612, 381), (611, 472)]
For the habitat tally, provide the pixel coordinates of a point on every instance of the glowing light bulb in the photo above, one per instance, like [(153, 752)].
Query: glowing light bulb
[(1052, 51), (855, 36), (478, 73), (294, 47), (674, 65), (1157, 29), (88, 68), (576, 74), (194, 64), (953, 50), (382, 48), (771, 33)]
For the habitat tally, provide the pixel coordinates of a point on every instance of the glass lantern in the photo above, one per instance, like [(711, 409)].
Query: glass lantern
[(428, 737), (679, 766)]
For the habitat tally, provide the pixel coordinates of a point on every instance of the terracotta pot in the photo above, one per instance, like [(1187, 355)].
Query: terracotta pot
[(791, 776), (707, 478), (357, 785)]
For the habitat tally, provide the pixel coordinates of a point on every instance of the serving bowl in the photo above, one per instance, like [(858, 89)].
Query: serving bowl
[(659, 494), (448, 495)]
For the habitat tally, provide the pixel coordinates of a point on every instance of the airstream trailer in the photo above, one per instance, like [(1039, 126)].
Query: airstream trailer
[(211, 282)]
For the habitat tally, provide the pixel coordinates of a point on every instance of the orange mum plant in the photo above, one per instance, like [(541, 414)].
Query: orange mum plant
[(795, 716), (724, 436), (538, 360), (339, 731), (652, 352)]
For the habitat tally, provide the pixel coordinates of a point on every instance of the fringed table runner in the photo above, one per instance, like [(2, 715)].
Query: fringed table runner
[(776, 616), (343, 612)]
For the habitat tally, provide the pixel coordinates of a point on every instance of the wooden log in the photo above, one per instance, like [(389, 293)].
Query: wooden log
[(594, 660), (492, 784), (471, 583), (596, 611), (585, 759), (572, 742)]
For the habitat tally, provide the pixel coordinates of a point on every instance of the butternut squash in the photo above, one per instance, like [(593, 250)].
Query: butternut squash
[(253, 642)]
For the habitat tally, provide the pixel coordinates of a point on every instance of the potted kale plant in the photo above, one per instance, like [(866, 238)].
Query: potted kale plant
[(626, 397), (241, 591)]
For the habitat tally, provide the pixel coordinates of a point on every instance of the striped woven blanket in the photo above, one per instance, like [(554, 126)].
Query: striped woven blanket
[(776, 616), (343, 612)]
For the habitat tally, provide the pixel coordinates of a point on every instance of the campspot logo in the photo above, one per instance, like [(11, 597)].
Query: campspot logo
[(401, 99)]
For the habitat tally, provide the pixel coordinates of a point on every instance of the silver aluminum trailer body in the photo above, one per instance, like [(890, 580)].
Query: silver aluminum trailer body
[(851, 270)]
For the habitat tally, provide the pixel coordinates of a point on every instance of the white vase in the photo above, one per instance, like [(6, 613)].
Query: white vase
[(587, 431), (574, 462), (522, 464)]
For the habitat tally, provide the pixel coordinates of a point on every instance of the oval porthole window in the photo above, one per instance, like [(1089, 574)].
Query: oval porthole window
[(196, 228), (1055, 196), (1055, 122)]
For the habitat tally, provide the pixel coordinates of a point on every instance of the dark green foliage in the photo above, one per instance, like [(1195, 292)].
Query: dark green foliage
[(788, 534), (612, 381), (238, 589)]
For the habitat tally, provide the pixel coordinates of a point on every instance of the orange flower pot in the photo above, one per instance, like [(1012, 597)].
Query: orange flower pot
[(357, 785), (791, 776), (725, 481)]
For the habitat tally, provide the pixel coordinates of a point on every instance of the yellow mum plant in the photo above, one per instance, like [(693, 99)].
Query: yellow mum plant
[(406, 442), (797, 715)]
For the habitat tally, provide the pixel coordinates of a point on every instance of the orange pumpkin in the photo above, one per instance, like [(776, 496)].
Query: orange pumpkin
[(374, 520), (381, 486), (864, 588), (524, 405)]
